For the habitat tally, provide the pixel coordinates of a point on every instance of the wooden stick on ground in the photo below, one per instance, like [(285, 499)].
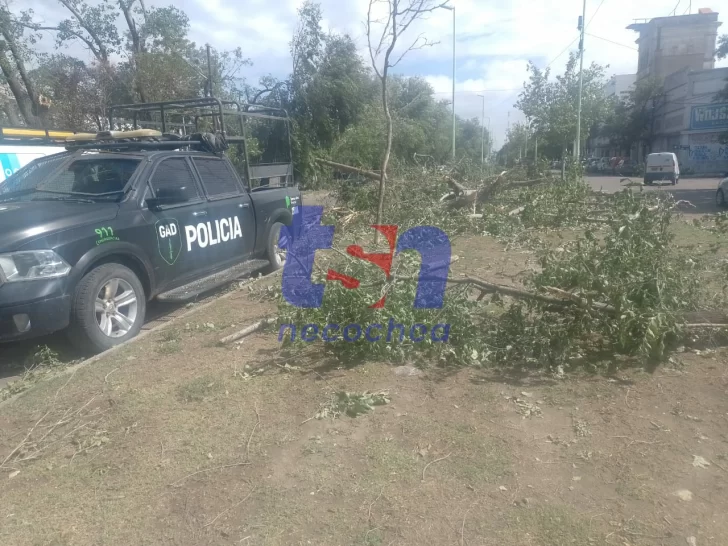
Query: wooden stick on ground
[(348, 169), (433, 462), (248, 330)]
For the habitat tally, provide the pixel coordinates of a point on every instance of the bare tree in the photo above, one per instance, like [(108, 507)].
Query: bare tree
[(400, 15)]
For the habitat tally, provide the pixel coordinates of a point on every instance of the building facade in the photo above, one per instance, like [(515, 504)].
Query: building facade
[(669, 44), (689, 121)]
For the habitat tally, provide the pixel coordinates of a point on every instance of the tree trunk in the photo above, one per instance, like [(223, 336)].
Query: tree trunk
[(22, 100), (387, 152), (11, 114), (563, 162)]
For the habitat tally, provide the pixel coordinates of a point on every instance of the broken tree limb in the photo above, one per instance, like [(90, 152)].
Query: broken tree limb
[(348, 169), (572, 299), (248, 330), (489, 287)]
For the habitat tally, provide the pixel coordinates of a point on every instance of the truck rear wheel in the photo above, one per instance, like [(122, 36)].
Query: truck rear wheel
[(108, 308)]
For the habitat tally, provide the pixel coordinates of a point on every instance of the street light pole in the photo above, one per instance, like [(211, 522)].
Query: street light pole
[(489, 139), (452, 8), (582, 22), (482, 133)]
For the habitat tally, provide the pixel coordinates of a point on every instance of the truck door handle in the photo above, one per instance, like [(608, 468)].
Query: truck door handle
[(199, 213), (244, 205)]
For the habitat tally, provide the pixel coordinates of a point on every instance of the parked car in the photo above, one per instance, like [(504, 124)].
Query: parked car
[(89, 236), (662, 166), (721, 196), (629, 168)]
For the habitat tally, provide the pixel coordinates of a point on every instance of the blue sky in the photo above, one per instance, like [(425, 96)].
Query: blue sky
[(494, 40)]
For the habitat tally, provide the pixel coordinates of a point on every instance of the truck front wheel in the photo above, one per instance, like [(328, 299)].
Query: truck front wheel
[(108, 308), (275, 254)]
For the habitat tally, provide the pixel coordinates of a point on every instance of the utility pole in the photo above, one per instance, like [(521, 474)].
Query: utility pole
[(490, 141), (453, 83), (577, 154), (508, 131)]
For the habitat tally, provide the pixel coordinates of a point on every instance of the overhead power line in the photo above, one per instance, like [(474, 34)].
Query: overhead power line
[(562, 52), (595, 14), (611, 41)]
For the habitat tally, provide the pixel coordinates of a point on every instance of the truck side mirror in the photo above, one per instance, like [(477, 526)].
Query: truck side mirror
[(167, 196)]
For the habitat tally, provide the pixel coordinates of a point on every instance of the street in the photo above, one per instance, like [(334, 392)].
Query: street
[(698, 191)]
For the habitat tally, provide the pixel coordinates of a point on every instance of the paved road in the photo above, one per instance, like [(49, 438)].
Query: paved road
[(699, 191)]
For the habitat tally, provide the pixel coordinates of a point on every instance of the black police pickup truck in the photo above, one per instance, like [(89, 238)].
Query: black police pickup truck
[(88, 237)]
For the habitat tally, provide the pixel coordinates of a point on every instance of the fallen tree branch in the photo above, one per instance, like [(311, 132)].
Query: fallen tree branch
[(248, 330), (348, 169)]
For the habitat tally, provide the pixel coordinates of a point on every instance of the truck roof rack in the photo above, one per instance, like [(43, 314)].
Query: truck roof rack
[(210, 124), (217, 110), (146, 140)]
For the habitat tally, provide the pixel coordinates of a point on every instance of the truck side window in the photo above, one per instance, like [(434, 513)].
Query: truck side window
[(175, 174), (216, 176)]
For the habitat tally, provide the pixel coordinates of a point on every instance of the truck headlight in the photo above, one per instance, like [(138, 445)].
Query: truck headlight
[(31, 265)]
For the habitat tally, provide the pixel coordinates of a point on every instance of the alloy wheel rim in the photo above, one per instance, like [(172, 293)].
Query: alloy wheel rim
[(116, 308), (278, 252)]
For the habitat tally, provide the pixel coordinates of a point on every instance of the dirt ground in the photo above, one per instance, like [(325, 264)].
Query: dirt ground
[(176, 439)]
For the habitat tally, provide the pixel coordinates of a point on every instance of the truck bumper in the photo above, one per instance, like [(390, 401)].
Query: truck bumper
[(32, 309)]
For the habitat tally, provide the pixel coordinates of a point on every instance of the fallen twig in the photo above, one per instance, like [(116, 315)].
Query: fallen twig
[(247, 449), (106, 379), (462, 528), (369, 514), (433, 462), (348, 169), (248, 330), (207, 470), (22, 443), (227, 510)]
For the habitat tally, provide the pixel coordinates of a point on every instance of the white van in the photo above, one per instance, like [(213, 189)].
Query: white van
[(662, 166)]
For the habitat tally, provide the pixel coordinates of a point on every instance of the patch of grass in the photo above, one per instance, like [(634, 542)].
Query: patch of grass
[(476, 457), (352, 404), (387, 461), (169, 342), (199, 389), (550, 526), (170, 334)]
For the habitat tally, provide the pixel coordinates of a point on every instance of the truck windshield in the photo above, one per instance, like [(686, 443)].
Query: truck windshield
[(91, 179)]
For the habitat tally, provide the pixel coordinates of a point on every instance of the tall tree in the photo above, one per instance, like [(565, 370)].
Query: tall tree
[(553, 103), (631, 121), (383, 37)]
